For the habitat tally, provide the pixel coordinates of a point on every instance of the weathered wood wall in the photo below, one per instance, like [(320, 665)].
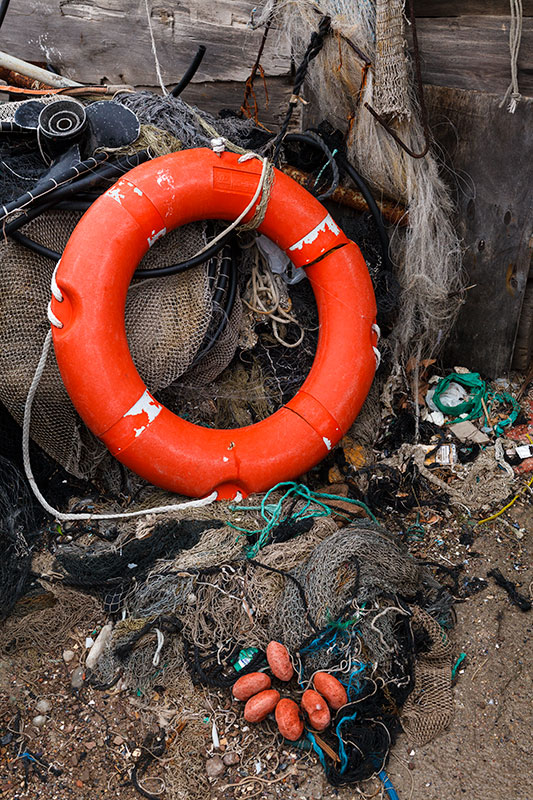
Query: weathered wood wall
[(109, 40), (487, 149), (472, 52), (464, 43)]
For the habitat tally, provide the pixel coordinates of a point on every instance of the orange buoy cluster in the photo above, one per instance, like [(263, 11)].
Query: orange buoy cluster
[(87, 311), (316, 705)]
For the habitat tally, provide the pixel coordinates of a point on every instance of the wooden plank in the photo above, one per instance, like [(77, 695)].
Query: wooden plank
[(94, 41), (490, 151), (472, 52), (459, 8)]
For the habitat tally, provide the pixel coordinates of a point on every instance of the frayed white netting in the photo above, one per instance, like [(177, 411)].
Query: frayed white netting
[(363, 60)]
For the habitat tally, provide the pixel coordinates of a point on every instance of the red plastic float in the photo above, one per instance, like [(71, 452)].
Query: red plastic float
[(92, 351)]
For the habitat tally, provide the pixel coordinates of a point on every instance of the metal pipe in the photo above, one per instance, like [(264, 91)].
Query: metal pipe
[(37, 73)]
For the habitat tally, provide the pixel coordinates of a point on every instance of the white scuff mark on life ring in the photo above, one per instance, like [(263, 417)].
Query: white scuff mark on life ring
[(155, 236), (116, 194), (147, 405), (309, 238)]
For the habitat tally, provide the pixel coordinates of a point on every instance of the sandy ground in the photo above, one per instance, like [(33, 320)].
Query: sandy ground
[(485, 754)]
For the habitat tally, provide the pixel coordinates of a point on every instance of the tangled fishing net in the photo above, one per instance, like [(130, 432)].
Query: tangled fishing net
[(351, 601), (18, 533), (363, 61)]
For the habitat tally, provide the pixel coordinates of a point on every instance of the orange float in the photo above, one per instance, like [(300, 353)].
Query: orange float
[(87, 308)]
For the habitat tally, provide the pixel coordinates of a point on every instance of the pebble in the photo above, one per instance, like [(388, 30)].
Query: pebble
[(43, 706), (68, 655), (39, 721), (230, 759), (77, 679), (118, 740), (84, 775), (215, 767)]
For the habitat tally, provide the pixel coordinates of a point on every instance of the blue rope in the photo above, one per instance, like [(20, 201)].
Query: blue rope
[(342, 750), (389, 788), (318, 750), (271, 512), (357, 688)]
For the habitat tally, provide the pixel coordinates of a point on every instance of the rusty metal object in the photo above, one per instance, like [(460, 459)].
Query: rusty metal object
[(21, 81), (394, 213)]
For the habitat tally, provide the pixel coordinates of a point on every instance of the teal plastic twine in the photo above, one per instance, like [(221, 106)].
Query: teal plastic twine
[(472, 406), (342, 751), (457, 665), (416, 531), (313, 506)]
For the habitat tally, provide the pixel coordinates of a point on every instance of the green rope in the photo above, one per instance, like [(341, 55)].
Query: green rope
[(271, 512), (472, 406), (416, 531), (458, 664)]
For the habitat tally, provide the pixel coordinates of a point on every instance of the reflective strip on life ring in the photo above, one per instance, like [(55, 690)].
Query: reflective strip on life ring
[(93, 355)]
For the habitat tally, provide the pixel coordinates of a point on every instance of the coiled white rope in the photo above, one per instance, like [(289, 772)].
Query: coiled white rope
[(263, 297)]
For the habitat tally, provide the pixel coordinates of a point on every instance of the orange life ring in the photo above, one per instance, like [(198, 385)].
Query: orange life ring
[(89, 296)]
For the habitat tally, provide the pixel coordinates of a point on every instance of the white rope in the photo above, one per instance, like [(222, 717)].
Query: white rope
[(261, 285), (377, 354), (267, 168), (160, 643), (218, 145), (515, 36), (154, 50), (59, 515)]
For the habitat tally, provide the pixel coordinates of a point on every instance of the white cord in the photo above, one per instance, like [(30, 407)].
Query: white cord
[(160, 643), (515, 35), (218, 145), (59, 515), (154, 50), (259, 189), (377, 354)]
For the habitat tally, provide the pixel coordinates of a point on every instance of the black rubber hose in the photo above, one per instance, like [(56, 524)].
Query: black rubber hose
[(374, 209), (363, 188), (161, 272), (190, 73), (40, 249), (228, 307), (79, 180), (226, 285), (50, 186), (4, 5), (6, 126), (12, 231)]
